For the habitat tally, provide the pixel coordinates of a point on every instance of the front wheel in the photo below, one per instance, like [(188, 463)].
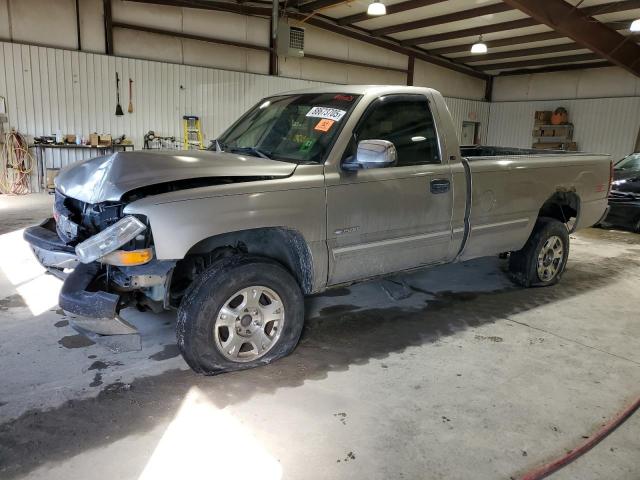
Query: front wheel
[(242, 312), (542, 260)]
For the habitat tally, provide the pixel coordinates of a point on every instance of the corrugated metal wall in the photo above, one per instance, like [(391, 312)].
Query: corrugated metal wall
[(603, 125), (51, 89), (469, 110)]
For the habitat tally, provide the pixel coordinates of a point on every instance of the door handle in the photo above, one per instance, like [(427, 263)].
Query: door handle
[(440, 185)]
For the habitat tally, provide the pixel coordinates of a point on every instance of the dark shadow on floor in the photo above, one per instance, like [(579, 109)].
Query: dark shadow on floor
[(335, 341)]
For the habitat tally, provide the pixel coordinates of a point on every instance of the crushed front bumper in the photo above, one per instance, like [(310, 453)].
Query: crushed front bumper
[(92, 311), (51, 252)]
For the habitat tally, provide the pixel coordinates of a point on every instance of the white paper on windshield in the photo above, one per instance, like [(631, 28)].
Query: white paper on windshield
[(326, 112)]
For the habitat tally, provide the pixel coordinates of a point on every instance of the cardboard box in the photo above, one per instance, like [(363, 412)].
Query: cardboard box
[(105, 140), (543, 117), (52, 173), (94, 139)]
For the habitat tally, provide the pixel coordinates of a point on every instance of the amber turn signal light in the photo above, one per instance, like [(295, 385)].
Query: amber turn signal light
[(128, 258)]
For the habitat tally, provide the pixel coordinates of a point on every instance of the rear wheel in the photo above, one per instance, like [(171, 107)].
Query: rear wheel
[(242, 312), (542, 260)]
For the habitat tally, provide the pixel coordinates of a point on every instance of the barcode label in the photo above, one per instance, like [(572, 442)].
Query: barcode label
[(325, 112)]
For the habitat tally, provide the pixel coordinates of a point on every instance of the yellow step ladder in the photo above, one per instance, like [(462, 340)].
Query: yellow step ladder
[(192, 134)]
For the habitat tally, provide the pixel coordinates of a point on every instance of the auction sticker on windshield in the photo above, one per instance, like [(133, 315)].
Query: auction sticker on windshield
[(326, 112), (324, 125)]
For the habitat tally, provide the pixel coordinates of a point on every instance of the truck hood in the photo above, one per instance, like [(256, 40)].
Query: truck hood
[(108, 178)]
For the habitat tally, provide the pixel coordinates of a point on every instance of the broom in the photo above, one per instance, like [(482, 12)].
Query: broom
[(119, 111), (130, 109)]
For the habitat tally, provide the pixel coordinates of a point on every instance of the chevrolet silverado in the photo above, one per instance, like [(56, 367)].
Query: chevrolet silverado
[(306, 191)]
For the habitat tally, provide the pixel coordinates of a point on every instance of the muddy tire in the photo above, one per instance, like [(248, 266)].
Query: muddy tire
[(242, 312), (542, 260)]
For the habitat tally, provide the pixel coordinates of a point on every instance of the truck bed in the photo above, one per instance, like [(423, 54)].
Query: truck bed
[(489, 151), (509, 187)]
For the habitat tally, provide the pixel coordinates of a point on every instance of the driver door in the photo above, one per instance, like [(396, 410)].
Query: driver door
[(383, 220)]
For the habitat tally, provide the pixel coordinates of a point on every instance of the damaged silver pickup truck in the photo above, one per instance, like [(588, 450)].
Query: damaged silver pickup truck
[(306, 191)]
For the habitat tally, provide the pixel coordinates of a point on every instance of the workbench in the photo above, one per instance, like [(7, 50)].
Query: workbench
[(100, 149)]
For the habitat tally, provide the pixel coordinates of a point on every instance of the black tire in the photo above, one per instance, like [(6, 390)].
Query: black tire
[(523, 264), (201, 305)]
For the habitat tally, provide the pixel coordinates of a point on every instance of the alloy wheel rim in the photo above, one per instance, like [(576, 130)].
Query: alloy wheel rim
[(249, 324), (550, 258)]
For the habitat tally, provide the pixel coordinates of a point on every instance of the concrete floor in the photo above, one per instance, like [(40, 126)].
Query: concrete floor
[(448, 373)]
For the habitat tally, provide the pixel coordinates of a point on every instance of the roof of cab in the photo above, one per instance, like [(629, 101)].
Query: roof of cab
[(365, 89)]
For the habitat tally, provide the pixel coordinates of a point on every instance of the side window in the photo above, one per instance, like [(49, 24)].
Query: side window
[(407, 123)]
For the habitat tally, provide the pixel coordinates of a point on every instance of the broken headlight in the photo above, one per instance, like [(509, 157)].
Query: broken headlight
[(109, 239)]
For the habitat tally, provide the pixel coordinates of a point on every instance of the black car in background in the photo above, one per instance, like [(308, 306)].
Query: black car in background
[(624, 199)]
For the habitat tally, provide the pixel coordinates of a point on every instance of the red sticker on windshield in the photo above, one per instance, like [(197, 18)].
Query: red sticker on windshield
[(344, 98), (324, 125)]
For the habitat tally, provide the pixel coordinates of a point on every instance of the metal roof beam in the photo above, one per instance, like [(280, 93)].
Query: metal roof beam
[(318, 5), (540, 61), (602, 9), (502, 42), (326, 23), (585, 30), (564, 47), (507, 42), (391, 9), (442, 19), (213, 5), (387, 43), (555, 68), (472, 32)]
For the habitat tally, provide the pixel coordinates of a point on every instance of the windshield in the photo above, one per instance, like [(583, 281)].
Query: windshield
[(631, 162), (299, 128)]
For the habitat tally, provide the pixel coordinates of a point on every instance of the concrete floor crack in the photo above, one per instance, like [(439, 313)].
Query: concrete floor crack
[(574, 341)]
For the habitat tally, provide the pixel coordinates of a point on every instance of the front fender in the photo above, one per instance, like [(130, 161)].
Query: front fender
[(180, 220)]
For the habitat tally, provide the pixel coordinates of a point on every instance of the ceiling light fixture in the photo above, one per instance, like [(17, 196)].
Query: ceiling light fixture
[(635, 26), (376, 8), (479, 46)]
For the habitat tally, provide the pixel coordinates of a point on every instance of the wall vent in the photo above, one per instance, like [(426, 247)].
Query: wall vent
[(290, 41)]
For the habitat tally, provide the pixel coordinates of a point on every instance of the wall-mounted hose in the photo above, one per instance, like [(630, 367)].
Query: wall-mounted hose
[(16, 165)]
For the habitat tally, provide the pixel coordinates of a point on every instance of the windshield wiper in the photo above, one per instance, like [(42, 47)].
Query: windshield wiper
[(256, 152)]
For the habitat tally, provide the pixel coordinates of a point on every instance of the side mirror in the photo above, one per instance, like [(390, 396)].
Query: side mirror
[(372, 154)]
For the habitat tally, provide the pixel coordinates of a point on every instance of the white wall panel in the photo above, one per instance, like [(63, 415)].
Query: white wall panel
[(604, 125), (92, 26), (447, 81), (158, 16), (53, 23), (5, 30), (50, 89), (587, 83), (463, 110), (148, 46), (48, 23)]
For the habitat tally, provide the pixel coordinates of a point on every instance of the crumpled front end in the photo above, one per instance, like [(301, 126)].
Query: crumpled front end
[(106, 260)]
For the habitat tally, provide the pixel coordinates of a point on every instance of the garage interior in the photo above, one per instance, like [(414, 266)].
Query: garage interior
[(448, 372)]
